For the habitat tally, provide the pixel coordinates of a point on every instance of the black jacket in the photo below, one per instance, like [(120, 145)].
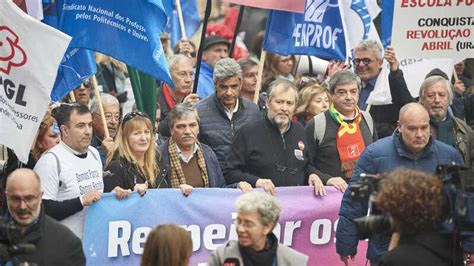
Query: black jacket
[(55, 244), (120, 172), (423, 249), (260, 151)]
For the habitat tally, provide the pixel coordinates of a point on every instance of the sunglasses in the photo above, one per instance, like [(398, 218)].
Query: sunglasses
[(132, 115), (281, 168)]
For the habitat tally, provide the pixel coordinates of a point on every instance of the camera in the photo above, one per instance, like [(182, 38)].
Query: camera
[(458, 202), (9, 235)]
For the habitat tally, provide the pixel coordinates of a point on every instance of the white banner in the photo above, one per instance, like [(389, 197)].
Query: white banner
[(433, 29), (414, 72), (30, 53)]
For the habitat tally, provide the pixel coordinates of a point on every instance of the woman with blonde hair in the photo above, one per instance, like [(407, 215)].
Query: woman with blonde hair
[(278, 66), (132, 166), (313, 100), (167, 245)]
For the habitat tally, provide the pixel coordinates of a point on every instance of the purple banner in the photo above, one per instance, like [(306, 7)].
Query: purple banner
[(115, 231)]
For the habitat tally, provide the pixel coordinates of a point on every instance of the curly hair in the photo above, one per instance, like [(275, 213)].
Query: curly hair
[(413, 199)]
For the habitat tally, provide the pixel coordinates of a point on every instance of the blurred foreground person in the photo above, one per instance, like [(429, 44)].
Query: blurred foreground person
[(167, 245), (257, 215)]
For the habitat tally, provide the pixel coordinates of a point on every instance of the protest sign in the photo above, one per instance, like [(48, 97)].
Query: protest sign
[(115, 231), (433, 29), (77, 64), (129, 31), (30, 52), (285, 5), (319, 31)]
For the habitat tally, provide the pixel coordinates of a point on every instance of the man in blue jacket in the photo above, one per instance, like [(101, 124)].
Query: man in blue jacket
[(411, 146)]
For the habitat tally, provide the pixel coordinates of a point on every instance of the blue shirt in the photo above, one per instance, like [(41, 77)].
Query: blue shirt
[(365, 92)]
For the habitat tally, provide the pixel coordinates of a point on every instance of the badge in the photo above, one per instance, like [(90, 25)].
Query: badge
[(299, 155), (301, 145)]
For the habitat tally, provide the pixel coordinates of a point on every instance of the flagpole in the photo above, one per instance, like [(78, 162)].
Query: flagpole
[(184, 36), (71, 96), (263, 54), (101, 107), (203, 35), (236, 30)]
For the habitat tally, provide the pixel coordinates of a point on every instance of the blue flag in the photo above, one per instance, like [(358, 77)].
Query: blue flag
[(319, 31), (126, 30), (387, 21), (77, 64), (191, 18)]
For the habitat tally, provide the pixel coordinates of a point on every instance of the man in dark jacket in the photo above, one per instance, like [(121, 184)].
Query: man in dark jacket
[(54, 243), (411, 147), (368, 59), (186, 163), (270, 152), (225, 112), (436, 96)]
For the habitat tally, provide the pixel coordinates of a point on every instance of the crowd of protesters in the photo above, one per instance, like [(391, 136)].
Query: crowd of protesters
[(304, 129)]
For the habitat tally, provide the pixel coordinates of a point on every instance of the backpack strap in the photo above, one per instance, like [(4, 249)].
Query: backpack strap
[(319, 126), (58, 165), (370, 121)]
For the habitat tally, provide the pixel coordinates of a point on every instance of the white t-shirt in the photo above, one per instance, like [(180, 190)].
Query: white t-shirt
[(76, 177)]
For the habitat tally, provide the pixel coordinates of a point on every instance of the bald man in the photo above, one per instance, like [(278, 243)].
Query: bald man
[(411, 147), (55, 243)]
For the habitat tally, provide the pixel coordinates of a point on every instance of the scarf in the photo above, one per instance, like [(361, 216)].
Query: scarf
[(349, 141), (168, 96), (177, 174), (264, 257), (444, 130)]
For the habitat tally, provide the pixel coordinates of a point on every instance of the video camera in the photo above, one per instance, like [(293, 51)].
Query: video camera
[(458, 205), (9, 234)]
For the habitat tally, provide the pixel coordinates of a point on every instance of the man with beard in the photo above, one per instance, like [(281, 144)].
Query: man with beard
[(112, 117), (71, 172), (186, 163), (54, 243), (224, 113), (270, 152), (182, 72)]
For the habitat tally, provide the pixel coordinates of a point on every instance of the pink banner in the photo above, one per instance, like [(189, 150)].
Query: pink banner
[(284, 5)]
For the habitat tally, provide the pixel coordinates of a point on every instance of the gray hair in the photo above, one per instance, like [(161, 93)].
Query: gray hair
[(264, 204), (182, 110), (106, 99), (432, 81), (343, 77), (226, 68), (372, 45), (178, 58), (279, 86)]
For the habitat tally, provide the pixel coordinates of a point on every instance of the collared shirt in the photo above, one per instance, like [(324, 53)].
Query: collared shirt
[(181, 155), (365, 93), (230, 113)]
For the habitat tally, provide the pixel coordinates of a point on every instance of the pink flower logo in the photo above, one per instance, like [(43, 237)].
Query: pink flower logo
[(11, 54)]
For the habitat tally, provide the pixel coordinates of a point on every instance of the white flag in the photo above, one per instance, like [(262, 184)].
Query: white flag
[(30, 53)]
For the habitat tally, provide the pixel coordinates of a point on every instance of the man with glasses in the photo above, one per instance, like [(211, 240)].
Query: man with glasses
[(337, 137), (269, 152), (182, 72), (368, 65), (54, 243), (71, 172), (112, 117), (225, 112)]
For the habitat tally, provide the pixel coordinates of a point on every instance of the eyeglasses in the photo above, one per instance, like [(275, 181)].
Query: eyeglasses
[(109, 116), (365, 61), (132, 115), (281, 168), (29, 199), (246, 225)]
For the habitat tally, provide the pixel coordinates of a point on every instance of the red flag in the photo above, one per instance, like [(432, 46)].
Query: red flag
[(285, 5)]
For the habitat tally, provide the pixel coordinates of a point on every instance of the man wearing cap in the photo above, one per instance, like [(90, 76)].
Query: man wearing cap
[(214, 48), (225, 112)]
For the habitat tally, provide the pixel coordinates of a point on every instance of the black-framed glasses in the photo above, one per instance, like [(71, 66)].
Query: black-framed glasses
[(132, 115), (29, 199), (281, 168), (365, 61)]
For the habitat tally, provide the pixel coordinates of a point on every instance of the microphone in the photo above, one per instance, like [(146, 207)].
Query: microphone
[(231, 262), (22, 249)]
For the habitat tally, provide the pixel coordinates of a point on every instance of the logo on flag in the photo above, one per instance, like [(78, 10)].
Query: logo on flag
[(314, 11), (11, 54)]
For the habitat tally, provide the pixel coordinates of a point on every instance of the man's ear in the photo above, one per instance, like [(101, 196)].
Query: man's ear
[(64, 130)]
